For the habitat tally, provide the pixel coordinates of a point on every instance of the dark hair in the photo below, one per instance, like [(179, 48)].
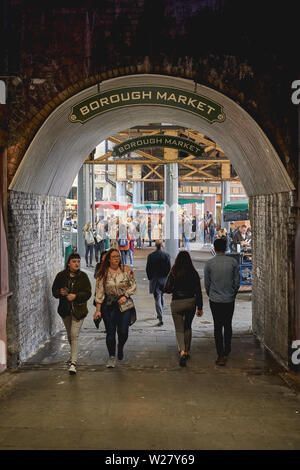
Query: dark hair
[(183, 266), (102, 273), (72, 256), (220, 244)]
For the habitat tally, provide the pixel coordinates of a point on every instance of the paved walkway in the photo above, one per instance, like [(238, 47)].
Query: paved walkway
[(148, 401)]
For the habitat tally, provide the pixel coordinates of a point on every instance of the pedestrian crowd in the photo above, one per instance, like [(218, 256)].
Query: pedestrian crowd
[(115, 286)]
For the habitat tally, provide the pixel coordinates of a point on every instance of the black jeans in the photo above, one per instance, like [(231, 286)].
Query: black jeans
[(99, 248), (222, 314)]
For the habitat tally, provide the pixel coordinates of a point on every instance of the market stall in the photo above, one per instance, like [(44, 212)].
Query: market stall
[(238, 210)]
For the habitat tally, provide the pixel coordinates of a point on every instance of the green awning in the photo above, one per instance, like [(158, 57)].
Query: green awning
[(182, 201), (238, 205), (148, 206)]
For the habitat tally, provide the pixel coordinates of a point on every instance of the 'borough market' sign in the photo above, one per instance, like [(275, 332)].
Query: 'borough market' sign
[(145, 96), (159, 140)]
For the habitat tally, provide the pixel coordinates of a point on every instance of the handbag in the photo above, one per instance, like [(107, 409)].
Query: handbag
[(89, 237), (126, 305), (129, 305), (183, 305)]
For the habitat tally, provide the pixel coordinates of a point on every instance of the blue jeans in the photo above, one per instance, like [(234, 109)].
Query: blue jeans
[(159, 303), (187, 243), (130, 256), (124, 256), (115, 321), (89, 249)]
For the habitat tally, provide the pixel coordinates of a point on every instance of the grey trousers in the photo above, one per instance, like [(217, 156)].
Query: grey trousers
[(73, 328), (183, 330)]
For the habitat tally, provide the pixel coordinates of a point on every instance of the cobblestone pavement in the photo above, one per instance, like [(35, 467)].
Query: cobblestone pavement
[(148, 401)]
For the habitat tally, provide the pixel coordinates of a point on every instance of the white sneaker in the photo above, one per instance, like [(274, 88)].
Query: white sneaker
[(72, 369), (111, 362)]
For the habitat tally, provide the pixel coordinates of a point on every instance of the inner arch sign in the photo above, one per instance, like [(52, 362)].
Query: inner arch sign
[(147, 96), (158, 140)]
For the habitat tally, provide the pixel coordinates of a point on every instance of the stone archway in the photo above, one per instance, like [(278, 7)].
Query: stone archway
[(57, 152)]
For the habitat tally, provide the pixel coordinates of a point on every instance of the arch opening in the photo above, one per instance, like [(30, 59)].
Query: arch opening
[(60, 147)]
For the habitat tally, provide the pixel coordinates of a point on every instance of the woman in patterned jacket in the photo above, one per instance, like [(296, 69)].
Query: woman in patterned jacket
[(115, 283)]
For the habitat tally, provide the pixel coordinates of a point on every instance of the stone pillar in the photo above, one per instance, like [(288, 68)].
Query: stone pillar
[(137, 192), (121, 183), (137, 185), (225, 190), (121, 191), (171, 214), (83, 206)]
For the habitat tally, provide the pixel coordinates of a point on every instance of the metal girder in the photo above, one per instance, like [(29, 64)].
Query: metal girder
[(154, 162)]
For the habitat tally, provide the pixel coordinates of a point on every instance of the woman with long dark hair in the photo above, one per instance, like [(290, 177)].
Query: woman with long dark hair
[(115, 283), (184, 284)]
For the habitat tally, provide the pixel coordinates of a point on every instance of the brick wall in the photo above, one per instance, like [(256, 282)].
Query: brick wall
[(35, 257), (274, 227), (59, 49)]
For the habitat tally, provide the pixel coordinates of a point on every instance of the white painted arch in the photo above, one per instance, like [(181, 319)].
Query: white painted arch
[(60, 147)]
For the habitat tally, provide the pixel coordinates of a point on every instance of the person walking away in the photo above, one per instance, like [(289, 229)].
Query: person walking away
[(73, 289), (185, 286), (138, 234), (97, 245), (115, 284), (222, 233), (212, 229), (123, 240), (206, 226), (149, 228), (89, 243), (222, 282), (157, 269), (194, 228), (131, 250), (187, 231)]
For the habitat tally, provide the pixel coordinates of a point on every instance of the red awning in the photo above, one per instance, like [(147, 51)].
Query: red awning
[(113, 205)]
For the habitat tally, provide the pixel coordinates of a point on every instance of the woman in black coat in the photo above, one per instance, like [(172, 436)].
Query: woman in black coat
[(184, 284)]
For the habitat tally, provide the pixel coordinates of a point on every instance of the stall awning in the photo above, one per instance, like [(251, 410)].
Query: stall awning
[(113, 205), (236, 210), (148, 206), (182, 201), (237, 205)]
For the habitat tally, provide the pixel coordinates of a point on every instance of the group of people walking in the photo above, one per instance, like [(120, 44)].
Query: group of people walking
[(115, 284)]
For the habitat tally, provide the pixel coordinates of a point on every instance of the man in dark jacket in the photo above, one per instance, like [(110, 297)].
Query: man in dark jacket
[(222, 282), (73, 289), (157, 269)]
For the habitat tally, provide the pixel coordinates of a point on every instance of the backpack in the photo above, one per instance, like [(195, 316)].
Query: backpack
[(122, 242)]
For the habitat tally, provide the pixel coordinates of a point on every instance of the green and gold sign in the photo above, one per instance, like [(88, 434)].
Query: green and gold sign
[(147, 96), (158, 140)]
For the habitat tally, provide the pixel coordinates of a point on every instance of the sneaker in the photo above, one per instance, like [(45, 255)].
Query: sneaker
[(111, 362), (72, 368), (160, 323)]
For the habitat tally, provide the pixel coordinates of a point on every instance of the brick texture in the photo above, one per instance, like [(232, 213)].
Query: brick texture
[(35, 248), (273, 225)]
